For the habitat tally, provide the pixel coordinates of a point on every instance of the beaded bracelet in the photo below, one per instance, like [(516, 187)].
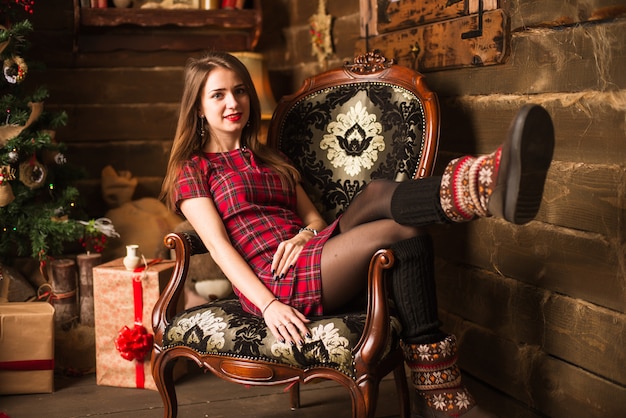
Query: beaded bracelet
[(308, 229), (267, 306)]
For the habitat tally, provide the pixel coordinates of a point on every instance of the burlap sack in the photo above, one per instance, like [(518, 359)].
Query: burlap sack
[(117, 187), (144, 222)]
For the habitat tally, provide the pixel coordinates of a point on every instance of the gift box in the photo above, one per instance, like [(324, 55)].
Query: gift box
[(26, 348), (123, 303)]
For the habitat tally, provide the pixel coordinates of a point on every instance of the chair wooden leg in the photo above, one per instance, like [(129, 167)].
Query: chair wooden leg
[(294, 396), (164, 380), (365, 399), (402, 388)]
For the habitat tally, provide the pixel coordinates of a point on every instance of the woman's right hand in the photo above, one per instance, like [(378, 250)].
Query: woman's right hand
[(286, 323)]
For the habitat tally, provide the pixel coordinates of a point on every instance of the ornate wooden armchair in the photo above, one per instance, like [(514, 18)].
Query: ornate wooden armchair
[(342, 128)]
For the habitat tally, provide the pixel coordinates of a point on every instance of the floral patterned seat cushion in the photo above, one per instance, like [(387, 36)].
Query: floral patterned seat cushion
[(342, 137), (223, 328)]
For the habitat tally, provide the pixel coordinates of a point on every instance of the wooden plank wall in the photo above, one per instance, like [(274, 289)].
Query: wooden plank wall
[(540, 310), (121, 104)]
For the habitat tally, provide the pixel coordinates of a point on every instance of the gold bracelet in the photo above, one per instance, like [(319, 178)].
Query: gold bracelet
[(267, 306)]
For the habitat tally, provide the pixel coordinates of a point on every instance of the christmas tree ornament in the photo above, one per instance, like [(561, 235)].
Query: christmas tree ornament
[(7, 173), (13, 156), (6, 195), (15, 69), (52, 155), (33, 173), (6, 191), (60, 159)]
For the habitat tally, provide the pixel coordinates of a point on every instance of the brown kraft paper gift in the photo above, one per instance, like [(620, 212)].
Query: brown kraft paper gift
[(26, 348), (114, 309)]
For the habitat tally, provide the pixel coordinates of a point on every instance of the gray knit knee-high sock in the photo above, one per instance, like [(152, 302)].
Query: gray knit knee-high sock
[(414, 291), (417, 203)]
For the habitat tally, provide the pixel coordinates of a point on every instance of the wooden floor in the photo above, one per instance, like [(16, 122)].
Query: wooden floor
[(198, 396)]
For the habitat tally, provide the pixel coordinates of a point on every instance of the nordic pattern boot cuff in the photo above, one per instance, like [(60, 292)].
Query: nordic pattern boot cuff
[(454, 403), (433, 366), (433, 353)]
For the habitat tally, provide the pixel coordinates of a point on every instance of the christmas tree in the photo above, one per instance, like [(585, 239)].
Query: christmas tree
[(37, 200)]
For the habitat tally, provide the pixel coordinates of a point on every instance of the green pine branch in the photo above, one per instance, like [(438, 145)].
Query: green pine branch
[(41, 219)]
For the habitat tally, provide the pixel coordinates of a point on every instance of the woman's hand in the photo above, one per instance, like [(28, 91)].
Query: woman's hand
[(287, 253), (286, 323)]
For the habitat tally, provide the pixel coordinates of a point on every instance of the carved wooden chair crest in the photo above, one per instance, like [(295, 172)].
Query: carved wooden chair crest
[(342, 128)]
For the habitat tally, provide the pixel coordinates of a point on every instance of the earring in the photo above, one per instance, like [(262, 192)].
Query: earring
[(201, 130)]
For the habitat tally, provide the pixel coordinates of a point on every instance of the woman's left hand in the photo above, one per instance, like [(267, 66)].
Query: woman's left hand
[(287, 253), (286, 323)]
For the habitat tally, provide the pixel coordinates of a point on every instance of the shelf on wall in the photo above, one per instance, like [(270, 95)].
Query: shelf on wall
[(108, 29)]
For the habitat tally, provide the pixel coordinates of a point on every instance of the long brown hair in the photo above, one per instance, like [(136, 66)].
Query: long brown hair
[(188, 141)]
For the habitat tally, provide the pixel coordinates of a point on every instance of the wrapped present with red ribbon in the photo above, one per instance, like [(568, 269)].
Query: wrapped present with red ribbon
[(26, 348), (123, 303)]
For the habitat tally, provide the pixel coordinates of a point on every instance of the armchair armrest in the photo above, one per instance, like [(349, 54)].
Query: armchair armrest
[(184, 244), (375, 338)]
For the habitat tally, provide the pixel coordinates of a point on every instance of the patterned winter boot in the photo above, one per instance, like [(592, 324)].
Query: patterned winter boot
[(507, 183), (437, 381)]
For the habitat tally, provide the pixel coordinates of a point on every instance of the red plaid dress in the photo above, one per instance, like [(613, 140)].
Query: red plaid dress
[(258, 213)]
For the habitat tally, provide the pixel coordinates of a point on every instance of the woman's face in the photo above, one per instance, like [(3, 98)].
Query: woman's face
[(225, 104)]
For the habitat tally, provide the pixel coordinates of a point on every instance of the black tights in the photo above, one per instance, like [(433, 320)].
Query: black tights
[(368, 225)]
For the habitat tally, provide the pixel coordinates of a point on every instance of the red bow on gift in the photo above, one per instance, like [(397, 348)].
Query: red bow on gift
[(135, 343)]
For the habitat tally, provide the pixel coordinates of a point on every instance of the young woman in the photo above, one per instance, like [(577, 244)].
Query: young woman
[(286, 264)]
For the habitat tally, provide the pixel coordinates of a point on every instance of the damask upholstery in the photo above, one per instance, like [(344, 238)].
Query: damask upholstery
[(224, 328), (343, 136), (342, 128)]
